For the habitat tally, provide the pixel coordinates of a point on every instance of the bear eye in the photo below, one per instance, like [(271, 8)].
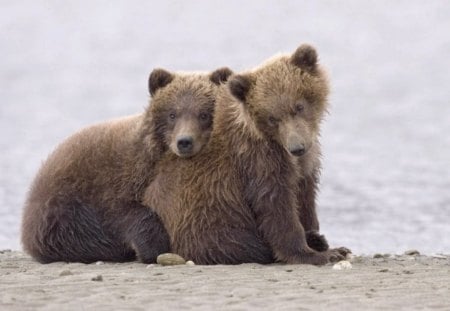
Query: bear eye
[(204, 116), (299, 108), (172, 116), (272, 121)]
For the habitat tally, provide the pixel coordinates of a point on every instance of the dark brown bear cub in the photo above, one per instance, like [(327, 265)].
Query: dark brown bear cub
[(237, 201), (84, 205)]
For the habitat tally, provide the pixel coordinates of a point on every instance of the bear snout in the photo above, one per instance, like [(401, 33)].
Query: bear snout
[(298, 150), (185, 144)]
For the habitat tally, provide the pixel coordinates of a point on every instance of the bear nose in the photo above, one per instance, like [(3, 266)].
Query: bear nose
[(185, 144), (298, 151)]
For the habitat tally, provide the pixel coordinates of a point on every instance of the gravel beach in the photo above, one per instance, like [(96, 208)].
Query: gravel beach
[(386, 282)]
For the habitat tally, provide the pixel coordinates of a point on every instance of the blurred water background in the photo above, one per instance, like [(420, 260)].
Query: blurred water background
[(386, 165)]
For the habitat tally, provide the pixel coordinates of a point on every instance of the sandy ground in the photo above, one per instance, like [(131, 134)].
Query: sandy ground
[(386, 282)]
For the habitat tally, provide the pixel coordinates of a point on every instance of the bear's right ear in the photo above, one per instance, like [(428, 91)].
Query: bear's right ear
[(240, 85), (158, 78), (220, 75)]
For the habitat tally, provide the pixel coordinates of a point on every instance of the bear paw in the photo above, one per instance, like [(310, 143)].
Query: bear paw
[(316, 241)]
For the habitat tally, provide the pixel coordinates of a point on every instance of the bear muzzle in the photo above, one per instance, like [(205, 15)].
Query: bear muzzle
[(185, 145), (297, 150)]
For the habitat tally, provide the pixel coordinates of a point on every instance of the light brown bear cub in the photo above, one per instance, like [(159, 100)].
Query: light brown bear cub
[(237, 201), (85, 203)]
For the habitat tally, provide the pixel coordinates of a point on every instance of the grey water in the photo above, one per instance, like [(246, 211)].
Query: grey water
[(386, 142)]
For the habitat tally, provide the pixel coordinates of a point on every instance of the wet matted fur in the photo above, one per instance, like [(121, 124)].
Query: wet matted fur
[(84, 204), (243, 196)]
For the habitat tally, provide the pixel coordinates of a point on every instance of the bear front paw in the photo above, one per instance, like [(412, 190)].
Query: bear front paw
[(316, 241)]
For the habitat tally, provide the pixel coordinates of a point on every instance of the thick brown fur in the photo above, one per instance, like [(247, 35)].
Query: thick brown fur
[(240, 199), (84, 204)]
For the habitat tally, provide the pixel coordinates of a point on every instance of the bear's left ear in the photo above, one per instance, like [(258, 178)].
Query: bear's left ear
[(240, 86), (305, 57), (220, 75), (158, 78)]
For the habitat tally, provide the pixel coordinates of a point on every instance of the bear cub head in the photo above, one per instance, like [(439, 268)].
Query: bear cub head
[(182, 108), (285, 99)]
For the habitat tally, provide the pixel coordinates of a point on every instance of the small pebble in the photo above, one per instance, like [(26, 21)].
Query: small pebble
[(99, 263), (439, 256), (169, 259), (190, 263), (97, 278), (342, 265), (65, 272), (407, 272), (412, 252), (378, 256), (383, 270), (150, 266)]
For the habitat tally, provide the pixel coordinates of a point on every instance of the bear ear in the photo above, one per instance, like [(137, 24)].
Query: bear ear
[(220, 75), (240, 85), (158, 78), (305, 57)]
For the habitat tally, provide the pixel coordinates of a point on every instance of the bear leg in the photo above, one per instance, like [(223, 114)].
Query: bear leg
[(71, 232), (145, 233), (230, 247)]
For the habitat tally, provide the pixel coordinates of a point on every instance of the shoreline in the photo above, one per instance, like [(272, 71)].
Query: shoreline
[(375, 282)]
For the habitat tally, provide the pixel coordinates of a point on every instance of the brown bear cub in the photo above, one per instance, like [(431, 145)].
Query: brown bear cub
[(248, 195), (84, 205)]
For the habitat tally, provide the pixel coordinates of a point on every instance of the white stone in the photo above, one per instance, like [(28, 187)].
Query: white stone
[(342, 265)]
